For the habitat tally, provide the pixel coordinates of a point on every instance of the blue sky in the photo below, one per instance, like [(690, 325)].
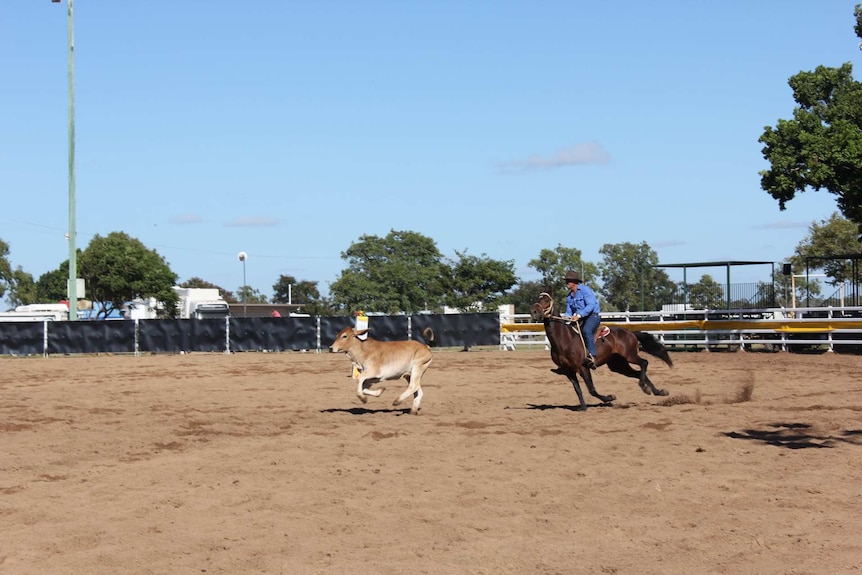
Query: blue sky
[(290, 129)]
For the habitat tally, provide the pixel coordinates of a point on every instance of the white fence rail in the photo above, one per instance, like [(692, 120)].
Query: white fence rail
[(776, 328)]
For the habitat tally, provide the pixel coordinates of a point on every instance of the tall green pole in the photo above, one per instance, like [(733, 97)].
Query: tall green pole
[(73, 252)]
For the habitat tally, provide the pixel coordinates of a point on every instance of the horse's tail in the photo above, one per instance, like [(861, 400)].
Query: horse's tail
[(652, 346)]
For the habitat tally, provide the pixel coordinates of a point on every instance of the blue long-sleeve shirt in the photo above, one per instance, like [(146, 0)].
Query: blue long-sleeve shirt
[(582, 302)]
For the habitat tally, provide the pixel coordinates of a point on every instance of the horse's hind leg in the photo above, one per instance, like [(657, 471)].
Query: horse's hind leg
[(645, 383), (621, 365), (588, 378)]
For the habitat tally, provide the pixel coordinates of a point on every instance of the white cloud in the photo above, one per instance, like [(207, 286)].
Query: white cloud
[(586, 153)]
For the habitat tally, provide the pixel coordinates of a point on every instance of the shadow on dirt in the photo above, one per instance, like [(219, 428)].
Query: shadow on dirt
[(796, 436), (545, 407), (366, 411)]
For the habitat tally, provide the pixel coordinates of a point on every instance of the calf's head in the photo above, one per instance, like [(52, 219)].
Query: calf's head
[(345, 338)]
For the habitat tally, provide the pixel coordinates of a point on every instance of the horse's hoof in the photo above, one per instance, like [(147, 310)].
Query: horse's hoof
[(661, 392), (611, 398)]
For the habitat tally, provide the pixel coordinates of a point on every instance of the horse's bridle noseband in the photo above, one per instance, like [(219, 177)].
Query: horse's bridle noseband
[(547, 311)]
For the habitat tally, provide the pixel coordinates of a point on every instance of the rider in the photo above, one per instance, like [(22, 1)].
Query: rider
[(583, 306)]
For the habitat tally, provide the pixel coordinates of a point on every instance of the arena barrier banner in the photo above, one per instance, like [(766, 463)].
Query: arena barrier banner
[(236, 334)]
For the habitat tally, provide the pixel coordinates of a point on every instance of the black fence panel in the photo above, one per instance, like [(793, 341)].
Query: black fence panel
[(167, 335), (300, 333), (273, 333), (116, 336), (329, 328), (208, 334), (388, 327), (22, 338), (246, 333), (457, 330)]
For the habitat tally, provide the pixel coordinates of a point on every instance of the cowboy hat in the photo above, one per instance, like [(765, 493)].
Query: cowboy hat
[(573, 276)]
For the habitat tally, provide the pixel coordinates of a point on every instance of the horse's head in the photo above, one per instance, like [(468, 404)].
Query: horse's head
[(544, 307)]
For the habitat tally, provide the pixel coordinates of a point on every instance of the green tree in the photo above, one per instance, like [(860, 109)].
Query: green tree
[(473, 283), (5, 268), (301, 292), (552, 264), (248, 294), (16, 284), (793, 291), (398, 273), (118, 269), (22, 288), (706, 294), (52, 286), (288, 290), (524, 295), (630, 280), (821, 147), (824, 246), (199, 283)]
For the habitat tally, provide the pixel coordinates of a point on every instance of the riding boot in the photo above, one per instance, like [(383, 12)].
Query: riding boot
[(590, 362)]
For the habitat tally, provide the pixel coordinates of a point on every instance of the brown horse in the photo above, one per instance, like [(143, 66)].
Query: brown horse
[(617, 349)]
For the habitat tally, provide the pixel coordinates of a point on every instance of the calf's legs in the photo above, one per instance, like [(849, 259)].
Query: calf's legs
[(414, 387)]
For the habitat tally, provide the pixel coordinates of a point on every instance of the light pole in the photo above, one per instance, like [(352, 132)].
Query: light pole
[(73, 252), (242, 256)]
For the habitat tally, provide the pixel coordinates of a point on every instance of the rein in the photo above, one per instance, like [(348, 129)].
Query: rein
[(546, 312)]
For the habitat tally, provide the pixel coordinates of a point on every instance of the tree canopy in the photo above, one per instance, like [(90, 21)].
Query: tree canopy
[(706, 294), (473, 283), (397, 273), (552, 264), (824, 247), (300, 292), (16, 284), (821, 147), (5, 268), (118, 269), (630, 282), (51, 285)]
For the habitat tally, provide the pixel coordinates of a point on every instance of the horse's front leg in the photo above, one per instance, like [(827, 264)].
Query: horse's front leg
[(574, 379), (588, 378)]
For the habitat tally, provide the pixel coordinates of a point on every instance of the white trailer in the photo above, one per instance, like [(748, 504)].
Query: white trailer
[(201, 303), (194, 303), (37, 312)]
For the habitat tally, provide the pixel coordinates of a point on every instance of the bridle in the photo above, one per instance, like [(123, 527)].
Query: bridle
[(547, 311)]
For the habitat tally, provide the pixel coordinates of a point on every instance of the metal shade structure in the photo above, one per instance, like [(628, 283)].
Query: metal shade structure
[(725, 264)]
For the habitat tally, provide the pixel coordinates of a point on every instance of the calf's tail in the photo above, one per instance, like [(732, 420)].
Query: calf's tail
[(430, 338), (652, 346)]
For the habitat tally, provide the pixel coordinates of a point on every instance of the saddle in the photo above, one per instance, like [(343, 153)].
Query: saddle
[(602, 331)]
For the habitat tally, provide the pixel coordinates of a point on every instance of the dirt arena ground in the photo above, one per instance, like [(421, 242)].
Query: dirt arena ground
[(268, 463)]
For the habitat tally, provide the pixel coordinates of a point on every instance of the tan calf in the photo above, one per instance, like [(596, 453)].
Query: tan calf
[(382, 360)]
